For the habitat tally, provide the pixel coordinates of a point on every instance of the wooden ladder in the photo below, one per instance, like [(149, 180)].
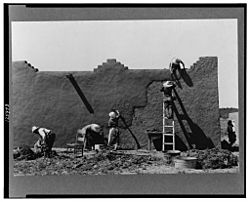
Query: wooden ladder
[(168, 138)]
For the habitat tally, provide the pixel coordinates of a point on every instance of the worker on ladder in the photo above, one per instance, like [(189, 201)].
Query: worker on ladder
[(167, 89)]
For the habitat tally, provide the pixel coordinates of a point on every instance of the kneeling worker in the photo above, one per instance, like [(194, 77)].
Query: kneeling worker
[(91, 134), (45, 141)]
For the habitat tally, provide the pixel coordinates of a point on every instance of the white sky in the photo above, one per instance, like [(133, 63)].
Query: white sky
[(83, 45)]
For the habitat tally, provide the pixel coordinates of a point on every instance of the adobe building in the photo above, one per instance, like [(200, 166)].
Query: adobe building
[(48, 99)]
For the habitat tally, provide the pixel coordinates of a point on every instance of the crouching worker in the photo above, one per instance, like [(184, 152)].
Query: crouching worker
[(45, 141), (114, 133), (91, 134), (167, 89), (175, 66)]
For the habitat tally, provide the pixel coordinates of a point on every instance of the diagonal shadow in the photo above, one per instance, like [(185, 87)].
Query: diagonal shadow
[(186, 78), (197, 137), (182, 74), (80, 93), (178, 83), (179, 118)]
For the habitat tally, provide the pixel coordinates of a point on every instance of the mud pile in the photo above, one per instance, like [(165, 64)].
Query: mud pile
[(214, 158), (25, 153), (105, 162)]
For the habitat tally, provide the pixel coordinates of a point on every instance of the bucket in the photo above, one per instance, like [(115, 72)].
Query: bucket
[(170, 155), (185, 162), (98, 147), (174, 153), (167, 158)]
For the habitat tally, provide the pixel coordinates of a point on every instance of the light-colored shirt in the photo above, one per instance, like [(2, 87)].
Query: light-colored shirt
[(43, 132), (93, 127), (176, 62)]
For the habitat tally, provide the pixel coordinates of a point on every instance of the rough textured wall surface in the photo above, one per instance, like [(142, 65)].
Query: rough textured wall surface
[(198, 106), (48, 99)]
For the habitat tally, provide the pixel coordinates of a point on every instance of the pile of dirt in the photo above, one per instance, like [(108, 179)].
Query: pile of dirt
[(108, 161), (105, 162), (214, 158), (25, 153)]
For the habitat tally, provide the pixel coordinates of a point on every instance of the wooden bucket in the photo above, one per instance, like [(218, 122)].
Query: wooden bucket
[(168, 158), (170, 155), (185, 162), (174, 153), (98, 147)]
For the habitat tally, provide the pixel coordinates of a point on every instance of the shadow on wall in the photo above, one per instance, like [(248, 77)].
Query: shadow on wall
[(196, 138), (179, 144), (186, 78), (178, 83), (184, 75)]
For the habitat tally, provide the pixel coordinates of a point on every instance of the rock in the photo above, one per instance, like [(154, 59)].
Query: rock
[(87, 167), (78, 165), (16, 155), (111, 168), (65, 172)]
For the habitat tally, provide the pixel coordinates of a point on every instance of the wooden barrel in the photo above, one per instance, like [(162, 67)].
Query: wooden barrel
[(185, 162)]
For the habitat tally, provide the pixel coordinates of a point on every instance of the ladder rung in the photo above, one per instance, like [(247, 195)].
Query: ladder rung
[(168, 129)]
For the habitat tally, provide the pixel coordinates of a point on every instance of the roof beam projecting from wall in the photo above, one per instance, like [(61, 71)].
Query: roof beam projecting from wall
[(80, 93)]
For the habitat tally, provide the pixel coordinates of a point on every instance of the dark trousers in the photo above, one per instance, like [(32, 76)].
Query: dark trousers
[(48, 144)]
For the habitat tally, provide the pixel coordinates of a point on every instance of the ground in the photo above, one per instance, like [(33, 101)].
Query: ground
[(105, 162)]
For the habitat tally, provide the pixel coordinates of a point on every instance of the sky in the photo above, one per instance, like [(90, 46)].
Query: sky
[(138, 44)]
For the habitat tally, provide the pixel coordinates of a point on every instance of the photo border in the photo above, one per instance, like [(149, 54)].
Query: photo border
[(122, 186)]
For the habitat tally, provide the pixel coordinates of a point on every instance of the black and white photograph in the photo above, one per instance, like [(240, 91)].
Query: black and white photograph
[(125, 97)]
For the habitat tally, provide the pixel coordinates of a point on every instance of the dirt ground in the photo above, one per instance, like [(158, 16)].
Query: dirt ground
[(105, 162)]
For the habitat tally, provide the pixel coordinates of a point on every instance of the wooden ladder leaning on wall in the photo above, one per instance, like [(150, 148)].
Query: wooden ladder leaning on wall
[(168, 138)]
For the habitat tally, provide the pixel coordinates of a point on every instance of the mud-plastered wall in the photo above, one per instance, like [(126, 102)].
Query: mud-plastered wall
[(48, 99)]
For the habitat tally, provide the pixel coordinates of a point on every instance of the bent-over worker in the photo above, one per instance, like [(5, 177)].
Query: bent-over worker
[(91, 134), (45, 141), (176, 64)]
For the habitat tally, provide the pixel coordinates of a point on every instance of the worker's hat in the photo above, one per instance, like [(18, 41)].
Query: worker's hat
[(34, 128), (168, 84), (175, 60), (112, 115)]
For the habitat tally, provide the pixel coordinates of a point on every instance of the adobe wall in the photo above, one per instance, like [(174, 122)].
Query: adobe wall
[(49, 100)]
